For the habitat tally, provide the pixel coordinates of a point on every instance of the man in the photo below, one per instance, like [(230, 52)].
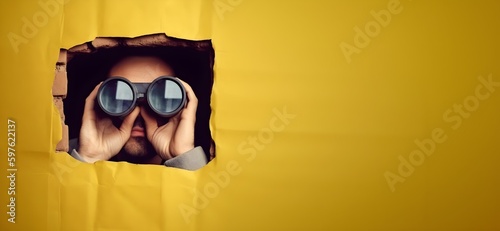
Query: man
[(141, 136)]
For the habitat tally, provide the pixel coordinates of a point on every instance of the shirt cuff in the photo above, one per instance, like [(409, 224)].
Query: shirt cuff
[(190, 160), (77, 156)]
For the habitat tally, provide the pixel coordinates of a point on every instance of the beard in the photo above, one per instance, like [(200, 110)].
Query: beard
[(139, 147), (136, 150)]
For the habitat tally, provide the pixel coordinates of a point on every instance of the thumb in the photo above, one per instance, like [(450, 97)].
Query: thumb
[(128, 122), (150, 123)]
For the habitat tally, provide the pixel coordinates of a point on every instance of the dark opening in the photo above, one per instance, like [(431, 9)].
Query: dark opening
[(193, 63)]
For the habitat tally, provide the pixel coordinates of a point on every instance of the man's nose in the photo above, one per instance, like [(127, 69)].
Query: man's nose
[(139, 121), (144, 107)]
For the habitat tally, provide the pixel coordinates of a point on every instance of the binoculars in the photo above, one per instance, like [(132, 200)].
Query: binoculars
[(117, 96)]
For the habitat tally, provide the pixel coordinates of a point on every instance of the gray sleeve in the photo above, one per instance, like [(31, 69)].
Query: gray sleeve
[(191, 160), (77, 156), (73, 145)]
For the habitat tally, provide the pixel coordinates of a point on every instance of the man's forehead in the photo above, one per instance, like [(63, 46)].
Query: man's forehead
[(141, 68)]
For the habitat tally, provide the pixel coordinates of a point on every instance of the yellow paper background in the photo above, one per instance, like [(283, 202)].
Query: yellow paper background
[(324, 169)]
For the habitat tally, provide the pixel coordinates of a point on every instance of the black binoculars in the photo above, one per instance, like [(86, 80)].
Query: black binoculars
[(117, 96)]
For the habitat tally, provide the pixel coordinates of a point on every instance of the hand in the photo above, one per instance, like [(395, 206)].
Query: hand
[(99, 138), (177, 136)]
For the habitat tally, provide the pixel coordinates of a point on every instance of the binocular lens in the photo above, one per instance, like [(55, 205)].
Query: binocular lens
[(116, 97), (165, 96)]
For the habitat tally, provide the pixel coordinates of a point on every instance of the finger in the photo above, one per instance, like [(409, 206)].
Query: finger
[(185, 132), (176, 118), (129, 120), (150, 122), (171, 127), (189, 91), (90, 100), (190, 111)]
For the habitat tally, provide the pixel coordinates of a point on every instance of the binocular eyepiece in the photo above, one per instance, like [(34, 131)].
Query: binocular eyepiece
[(117, 96)]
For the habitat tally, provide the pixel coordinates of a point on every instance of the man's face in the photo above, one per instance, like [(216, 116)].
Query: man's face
[(143, 70)]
